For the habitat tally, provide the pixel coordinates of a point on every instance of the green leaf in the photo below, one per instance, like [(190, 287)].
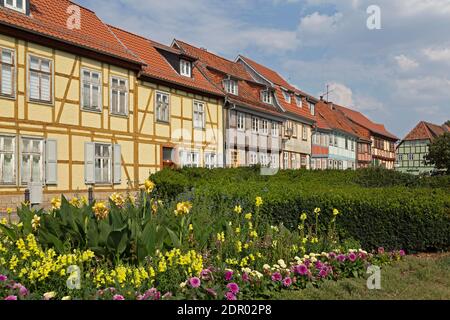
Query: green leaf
[(175, 241)]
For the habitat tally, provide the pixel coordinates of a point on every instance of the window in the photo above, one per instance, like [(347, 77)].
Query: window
[(7, 72), (18, 5), (312, 108), (274, 161), (255, 124), (290, 129), (353, 145), (287, 96), (410, 156), (299, 101), (185, 68), (210, 160), (162, 107), (91, 90), (199, 115), (266, 96), (263, 159), (241, 121), (231, 86), (335, 141), (264, 127), (293, 161), (103, 163), (313, 164), (305, 133), (168, 154), (286, 160), (303, 161), (253, 158), (32, 162), (346, 144), (40, 81), (275, 129), (119, 96), (234, 158), (7, 160), (190, 159), (331, 139)]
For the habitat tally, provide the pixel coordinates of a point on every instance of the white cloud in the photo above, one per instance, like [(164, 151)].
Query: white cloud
[(405, 63), (317, 23), (438, 54)]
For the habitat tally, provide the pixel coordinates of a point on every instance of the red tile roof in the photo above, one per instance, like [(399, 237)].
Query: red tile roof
[(426, 131), (157, 65), (335, 119), (280, 84), (48, 18), (363, 121), (216, 69)]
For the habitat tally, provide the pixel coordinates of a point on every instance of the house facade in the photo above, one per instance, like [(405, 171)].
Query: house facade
[(252, 122), (298, 108), (382, 141), (77, 112), (412, 150), (334, 140)]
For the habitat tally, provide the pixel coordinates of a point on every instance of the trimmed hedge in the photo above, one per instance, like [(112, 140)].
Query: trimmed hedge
[(415, 218)]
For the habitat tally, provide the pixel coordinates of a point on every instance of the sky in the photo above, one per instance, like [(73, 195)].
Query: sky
[(397, 75)]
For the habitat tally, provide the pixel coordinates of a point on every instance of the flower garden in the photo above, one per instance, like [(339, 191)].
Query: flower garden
[(156, 246)]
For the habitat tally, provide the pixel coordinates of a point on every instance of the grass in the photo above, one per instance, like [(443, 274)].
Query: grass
[(421, 277)]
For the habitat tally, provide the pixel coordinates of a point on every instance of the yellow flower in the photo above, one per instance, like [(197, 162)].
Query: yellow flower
[(117, 199), (132, 199), (84, 200), (75, 202), (4, 221), (259, 201), (183, 208), (315, 240), (238, 230), (66, 298), (303, 217), (149, 186), (239, 246), (100, 210), (36, 222), (56, 203), (248, 216), (317, 211), (221, 237), (9, 211), (191, 227), (253, 234), (335, 212), (238, 209)]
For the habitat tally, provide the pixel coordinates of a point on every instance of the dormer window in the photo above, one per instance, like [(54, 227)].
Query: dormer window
[(17, 5), (298, 101), (231, 86), (185, 68), (266, 96), (312, 108), (287, 96)]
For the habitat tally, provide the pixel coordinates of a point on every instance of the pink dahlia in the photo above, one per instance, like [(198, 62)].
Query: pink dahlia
[(194, 282), (287, 282), (118, 297), (352, 257), (11, 298), (276, 276), (230, 296), (233, 287), (228, 275)]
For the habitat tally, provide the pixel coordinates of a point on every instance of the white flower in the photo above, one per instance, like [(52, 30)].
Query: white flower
[(246, 270), (257, 274), (66, 298), (306, 256), (49, 295), (266, 267), (282, 263), (182, 285), (313, 259)]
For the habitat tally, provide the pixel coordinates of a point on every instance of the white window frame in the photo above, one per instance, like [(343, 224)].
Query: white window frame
[(305, 133), (266, 96), (102, 158), (287, 96), (41, 153), (255, 124), (12, 153), (299, 101), (91, 85), (275, 129), (199, 114), (14, 6), (263, 159), (40, 74), (312, 108), (192, 157), (210, 160), (274, 159), (286, 160), (264, 126), (231, 86), (185, 68), (253, 158), (119, 91), (12, 65), (160, 117), (240, 121)]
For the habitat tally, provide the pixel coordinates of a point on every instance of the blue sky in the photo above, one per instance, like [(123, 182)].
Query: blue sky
[(397, 76)]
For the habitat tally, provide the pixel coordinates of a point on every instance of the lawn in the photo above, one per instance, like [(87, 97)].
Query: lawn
[(419, 277)]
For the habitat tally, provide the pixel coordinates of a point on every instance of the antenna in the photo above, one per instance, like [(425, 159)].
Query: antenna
[(327, 92)]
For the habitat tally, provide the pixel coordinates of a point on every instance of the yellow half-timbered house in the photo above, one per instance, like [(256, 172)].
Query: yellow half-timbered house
[(79, 109)]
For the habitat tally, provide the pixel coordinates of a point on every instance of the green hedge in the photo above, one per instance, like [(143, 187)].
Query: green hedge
[(402, 215)]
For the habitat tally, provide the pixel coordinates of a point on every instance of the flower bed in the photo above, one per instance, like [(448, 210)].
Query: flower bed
[(144, 249)]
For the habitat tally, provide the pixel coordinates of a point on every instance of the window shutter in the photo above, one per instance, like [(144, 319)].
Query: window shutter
[(233, 119), (117, 164), (51, 163), (89, 166)]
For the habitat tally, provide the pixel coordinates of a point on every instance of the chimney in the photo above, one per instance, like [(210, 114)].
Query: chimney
[(204, 49)]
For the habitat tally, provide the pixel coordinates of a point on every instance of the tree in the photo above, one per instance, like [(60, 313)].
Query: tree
[(439, 154), (448, 123)]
